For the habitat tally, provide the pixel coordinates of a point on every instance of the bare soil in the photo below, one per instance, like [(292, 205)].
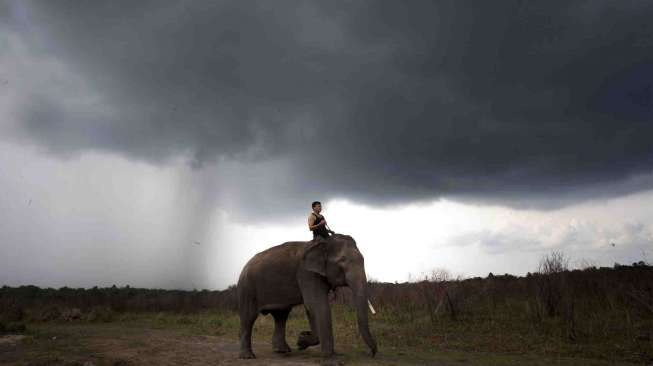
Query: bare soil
[(88, 344), (147, 347)]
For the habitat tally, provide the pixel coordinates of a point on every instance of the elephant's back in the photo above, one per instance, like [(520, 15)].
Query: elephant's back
[(282, 255), (276, 255), (289, 246), (272, 270)]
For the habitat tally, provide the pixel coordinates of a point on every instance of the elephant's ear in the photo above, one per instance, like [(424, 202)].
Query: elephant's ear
[(315, 258)]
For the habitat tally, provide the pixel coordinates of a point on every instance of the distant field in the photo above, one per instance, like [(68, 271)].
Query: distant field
[(597, 316)]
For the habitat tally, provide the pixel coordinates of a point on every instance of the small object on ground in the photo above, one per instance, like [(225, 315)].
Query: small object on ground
[(11, 340)]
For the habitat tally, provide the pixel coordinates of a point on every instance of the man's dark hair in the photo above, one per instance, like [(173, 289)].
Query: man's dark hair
[(315, 204)]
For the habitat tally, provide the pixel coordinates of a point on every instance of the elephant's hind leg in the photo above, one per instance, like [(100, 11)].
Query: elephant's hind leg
[(248, 315), (279, 344)]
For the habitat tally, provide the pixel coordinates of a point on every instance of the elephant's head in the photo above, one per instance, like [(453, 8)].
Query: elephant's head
[(340, 262)]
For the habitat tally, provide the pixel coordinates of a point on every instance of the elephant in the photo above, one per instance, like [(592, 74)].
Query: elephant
[(302, 272)]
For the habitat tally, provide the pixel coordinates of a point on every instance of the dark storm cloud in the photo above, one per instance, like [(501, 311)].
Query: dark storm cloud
[(376, 101)]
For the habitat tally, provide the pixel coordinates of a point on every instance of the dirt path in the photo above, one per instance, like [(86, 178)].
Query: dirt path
[(163, 347), (86, 344), (114, 346)]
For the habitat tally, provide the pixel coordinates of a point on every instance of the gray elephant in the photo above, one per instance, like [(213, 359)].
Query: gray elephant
[(294, 273)]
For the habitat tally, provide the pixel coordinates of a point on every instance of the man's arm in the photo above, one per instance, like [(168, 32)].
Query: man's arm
[(311, 222)]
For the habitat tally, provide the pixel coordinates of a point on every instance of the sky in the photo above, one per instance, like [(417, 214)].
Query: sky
[(161, 143)]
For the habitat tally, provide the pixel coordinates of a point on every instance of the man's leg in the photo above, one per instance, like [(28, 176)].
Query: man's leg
[(317, 238)]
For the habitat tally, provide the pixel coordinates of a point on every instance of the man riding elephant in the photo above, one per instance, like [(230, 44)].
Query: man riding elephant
[(317, 223)]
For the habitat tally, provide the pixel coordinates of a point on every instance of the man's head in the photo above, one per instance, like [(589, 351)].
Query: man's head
[(317, 206)]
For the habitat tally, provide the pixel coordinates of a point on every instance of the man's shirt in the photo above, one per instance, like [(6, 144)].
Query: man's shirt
[(313, 219)]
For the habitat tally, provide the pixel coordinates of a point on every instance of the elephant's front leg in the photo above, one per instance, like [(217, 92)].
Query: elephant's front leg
[(310, 338), (279, 344), (316, 300)]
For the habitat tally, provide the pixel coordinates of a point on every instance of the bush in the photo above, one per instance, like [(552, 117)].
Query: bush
[(100, 314), (11, 313), (551, 287), (70, 314), (49, 313)]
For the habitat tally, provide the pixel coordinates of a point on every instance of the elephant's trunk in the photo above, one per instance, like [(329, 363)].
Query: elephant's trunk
[(359, 289)]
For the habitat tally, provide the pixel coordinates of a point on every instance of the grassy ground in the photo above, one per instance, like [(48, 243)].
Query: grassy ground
[(211, 338)]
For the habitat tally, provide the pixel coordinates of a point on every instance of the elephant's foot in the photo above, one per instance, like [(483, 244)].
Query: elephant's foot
[(282, 348), (307, 339), (331, 361), (247, 353)]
